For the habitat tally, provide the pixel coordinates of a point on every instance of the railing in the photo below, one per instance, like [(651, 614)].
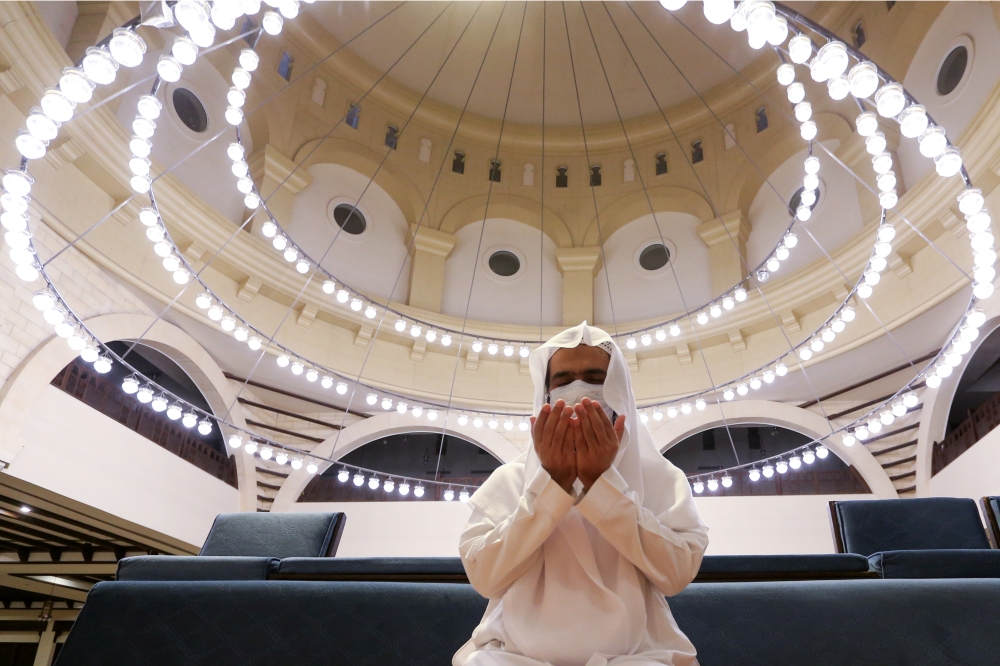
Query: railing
[(981, 420), (79, 381)]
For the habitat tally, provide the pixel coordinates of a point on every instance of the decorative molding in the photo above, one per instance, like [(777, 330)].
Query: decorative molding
[(307, 315), (726, 229), (248, 289), (269, 163), (573, 259), (64, 153), (418, 349), (900, 264), (472, 360), (432, 241), (684, 353), (364, 335), (790, 322), (737, 341), (840, 292), (10, 81), (524, 368), (633, 362)]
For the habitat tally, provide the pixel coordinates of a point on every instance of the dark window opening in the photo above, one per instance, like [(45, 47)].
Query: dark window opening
[(353, 116), (829, 475), (104, 394), (495, 171), (391, 137), (858, 35), (595, 176), (285, 66), (504, 263), (562, 180), (190, 110), (761, 118), (350, 219), (654, 257), (796, 200), (661, 164), (247, 27), (952, 70), (457, 462), (697, 152), (458, 164)]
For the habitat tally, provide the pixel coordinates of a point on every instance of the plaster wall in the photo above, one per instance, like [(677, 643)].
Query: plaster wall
[(78, 452), (737, 525), (975, 473)]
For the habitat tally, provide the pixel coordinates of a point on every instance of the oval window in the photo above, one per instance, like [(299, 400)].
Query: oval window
[(504, 263), (952, 70), (654, 257), (350, 219), (793, 203), (190, 110)]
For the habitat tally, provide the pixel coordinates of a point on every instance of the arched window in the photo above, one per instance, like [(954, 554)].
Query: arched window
[(428, 456), (104, 393), (712, 451)]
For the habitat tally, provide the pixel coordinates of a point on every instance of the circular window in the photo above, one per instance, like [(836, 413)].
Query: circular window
[(504, 263), (793, 203), (654, 257), (952, 70), (190, 110), (350, 219)]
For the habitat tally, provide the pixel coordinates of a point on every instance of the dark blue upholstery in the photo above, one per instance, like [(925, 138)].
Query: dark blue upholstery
[(872, 526), (168, 567), (782, 567), (371, 568), (940, 563), (274, 535), (991, 512), (307, 623)]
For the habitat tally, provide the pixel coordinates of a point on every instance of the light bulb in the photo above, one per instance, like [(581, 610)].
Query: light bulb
[(933, 142), (370, 313), (283, 360), (886, 181), (91, 353), (144, 394), (343, 295), (272, 23), (767, 470), (848, 439), (341, 388), (786, 73), (876, 143), (57, 106), (204, 426), (728, 394), (698, 487), (184, 50), (805, 353), (713, 484), (796, 93), (781, 466), (675, 330), (508, 350), (933, 381), (524, 352), (493, 423), (312, 375), (838, 87), (719, 11), (754, 474), (254, 342), (808, 130), (446, 340), (372, 398), (99, 66), (103, 364), (971, 201), (795, 462), (699, 404), (755, 383), (867, 123), (235, 441), (449, 495), (913, 121), (75, 85), (492, 348), (672, 5), (241, 78), (889, 100), (297, 464), (30, 146), (175, 411), (882, 163), (249, 59), (169, 68), (631, 343), (404, 488), (702, 319), (418, 491), (189, 420), (477, 346), (949, 162), (414, 330), (672, 412), (808, 457), (803, 111), (234, 115), (312, 468), (799, 49), (822, 452)]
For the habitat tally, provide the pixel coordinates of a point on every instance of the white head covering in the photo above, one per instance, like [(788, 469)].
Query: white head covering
[(582, 597)]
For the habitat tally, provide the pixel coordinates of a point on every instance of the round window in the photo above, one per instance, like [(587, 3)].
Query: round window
[(350, 219), (504, 263), (952, 70), (796, 200), (190, 110), (654, 257)]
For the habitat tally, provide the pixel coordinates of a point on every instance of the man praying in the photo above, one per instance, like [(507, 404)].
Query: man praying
[(578, 540)]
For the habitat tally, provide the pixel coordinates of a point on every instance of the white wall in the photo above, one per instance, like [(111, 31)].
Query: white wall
[(737, 525), (78, 452), (975, 473)]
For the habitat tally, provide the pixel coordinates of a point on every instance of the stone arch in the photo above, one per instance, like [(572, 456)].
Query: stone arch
[(629, 208), (511, 207), (780, 414), (365, 161), (383, 425), (24, 388)]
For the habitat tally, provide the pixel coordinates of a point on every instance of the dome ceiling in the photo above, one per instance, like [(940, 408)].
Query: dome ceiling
[(586, 24)]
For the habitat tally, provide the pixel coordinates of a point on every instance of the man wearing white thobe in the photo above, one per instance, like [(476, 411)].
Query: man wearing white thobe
[(576, 542)]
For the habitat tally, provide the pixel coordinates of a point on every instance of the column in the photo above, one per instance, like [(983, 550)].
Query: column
[(270, 169), (427, 258), (46, 645), (94, 22), (578, 266), (726, 238)]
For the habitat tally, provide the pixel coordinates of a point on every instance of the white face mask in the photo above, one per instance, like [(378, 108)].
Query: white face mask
[(574, 392)]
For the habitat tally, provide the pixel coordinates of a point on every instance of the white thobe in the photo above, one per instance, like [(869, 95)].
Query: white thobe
[(603, 550)]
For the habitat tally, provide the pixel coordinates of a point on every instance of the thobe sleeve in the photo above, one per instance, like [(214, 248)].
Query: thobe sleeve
[(499, 544), (666, 545)]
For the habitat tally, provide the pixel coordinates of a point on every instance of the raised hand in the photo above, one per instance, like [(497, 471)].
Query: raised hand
[(554, 434), (597, 444)]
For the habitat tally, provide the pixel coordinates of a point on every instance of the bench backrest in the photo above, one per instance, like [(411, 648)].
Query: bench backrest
[(927, 523), (275, 535)]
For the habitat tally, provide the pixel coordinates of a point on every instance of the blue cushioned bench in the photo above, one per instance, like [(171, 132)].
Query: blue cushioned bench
[(277, 622), (929, 537), (991, 512)]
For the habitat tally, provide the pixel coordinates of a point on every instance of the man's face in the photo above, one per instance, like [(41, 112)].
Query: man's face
[(581, 362)]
